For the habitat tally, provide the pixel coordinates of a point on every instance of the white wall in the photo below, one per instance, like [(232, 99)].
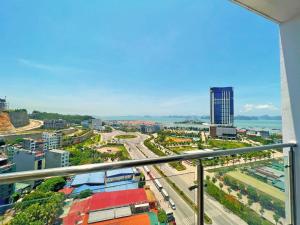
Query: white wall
[(290, 94)]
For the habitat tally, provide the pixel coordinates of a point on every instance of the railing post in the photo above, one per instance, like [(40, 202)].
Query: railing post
[(291, 187), (200, 193)]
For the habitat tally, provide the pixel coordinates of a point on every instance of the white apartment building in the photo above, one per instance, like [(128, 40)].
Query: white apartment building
[(57, 158), (96, 124), (53, 140)]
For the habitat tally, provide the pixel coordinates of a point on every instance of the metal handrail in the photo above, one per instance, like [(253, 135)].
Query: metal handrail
[(73, 170)]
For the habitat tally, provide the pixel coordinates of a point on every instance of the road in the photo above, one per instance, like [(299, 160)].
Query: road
[(184, 179)]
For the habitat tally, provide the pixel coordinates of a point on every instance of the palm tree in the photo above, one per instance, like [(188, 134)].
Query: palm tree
[(262, 211), (276, 218), (221, 185), (250, 202), (229, 190)]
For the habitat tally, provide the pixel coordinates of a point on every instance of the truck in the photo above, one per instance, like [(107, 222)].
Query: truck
[(165, 194), (158, 185), (147, 170)]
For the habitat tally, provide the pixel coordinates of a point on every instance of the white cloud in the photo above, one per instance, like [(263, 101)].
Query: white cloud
[(259, 107), (48, 67)]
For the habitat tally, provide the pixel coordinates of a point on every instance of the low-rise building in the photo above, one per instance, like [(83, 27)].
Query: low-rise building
[(114, 180), (10, 150), (85, 124), (55, 124), (53, 140), (147, 129), (119, 175), (263, 133), (223, 132), (3, 104), (6, 190), (118, 198), (29, 160), (96, 124), (57, 158), (34, 145)]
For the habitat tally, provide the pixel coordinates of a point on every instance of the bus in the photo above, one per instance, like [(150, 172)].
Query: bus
[(158, 185), (165, 194), (172, 204), (146, 169)]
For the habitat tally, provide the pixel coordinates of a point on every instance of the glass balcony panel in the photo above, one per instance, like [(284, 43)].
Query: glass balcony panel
[(246, 189)]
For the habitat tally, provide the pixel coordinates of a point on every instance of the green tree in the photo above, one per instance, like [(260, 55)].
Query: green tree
[(266, 201), (250, 202), (276, 218), (229, 190), (252, 193), (242, 188), (52, 184), (84, 194), (15, 196), (261, 211), (162, 216), (279, 208), (221, 185), (239, 195), (207, 177), (214, 180), (142, 181)]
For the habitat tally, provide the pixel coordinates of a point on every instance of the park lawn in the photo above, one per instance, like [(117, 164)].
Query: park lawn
[(224, 144), (182, 148), (259, 185), (125, 136), (123, 151), (178, 140)]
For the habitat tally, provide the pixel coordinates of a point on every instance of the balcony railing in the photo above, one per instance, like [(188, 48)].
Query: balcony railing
[(197, 156)]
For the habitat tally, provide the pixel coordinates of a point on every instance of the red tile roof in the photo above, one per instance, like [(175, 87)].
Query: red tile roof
[(77, 212), (66, 190), (117, 198)]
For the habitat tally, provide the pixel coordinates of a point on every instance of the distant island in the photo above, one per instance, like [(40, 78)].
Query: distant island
[(238, 117), (189, 122), (263, 117)]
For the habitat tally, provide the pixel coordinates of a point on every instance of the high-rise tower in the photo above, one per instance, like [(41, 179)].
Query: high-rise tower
[(221, 106)]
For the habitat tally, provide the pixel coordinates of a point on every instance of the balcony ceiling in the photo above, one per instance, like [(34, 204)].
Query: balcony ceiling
[(276, 10)]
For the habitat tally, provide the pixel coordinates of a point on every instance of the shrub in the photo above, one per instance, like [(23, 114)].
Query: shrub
[(52, 184), (84, 194)]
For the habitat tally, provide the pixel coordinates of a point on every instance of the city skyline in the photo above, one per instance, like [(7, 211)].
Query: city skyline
[(103, 60)]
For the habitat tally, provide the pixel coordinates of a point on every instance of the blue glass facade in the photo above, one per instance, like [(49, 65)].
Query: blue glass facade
[(221, 106)]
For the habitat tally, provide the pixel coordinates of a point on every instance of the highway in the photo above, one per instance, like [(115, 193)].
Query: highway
[(184, 179)]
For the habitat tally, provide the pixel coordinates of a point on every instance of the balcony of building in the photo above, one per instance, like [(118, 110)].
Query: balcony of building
[(205, 193)]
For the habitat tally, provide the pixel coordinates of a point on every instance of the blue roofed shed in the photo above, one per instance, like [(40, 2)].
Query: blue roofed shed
[(115, 186), (119, 172), (96, 178), (119, 175)]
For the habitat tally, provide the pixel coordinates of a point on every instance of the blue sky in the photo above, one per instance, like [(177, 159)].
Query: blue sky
[(136, 57)]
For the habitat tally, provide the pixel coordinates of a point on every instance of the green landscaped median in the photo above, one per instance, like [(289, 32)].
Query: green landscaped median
[(176, 165), (125, 136), (259, 185)]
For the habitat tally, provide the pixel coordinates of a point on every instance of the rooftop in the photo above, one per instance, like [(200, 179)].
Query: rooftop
[(109, 187), (95, 178), (60, 151), (119, 172), (117, 198)]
